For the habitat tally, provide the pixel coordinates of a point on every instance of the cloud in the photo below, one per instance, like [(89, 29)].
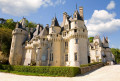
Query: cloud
[(25, 7), (102, 22), (111, 5)]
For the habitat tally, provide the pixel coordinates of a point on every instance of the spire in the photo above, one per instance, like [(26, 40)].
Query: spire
[(55, 22), (55, 15), (76, 6)]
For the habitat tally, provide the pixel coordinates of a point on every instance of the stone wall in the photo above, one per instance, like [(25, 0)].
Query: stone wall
[(90, 68)]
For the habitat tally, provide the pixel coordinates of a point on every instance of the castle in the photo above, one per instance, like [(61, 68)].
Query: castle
[(65, 45)]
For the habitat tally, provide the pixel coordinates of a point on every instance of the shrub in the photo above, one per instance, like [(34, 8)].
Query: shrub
[(44, 70)]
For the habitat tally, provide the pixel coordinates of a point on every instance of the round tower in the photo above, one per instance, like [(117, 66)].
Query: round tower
[(78, 41), (19, 36)]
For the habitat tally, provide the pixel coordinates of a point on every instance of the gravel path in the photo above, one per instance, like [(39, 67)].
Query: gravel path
[(107, 73)]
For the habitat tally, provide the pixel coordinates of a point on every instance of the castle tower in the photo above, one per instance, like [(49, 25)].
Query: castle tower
[(55, 43), (78, 41), (19, 36)]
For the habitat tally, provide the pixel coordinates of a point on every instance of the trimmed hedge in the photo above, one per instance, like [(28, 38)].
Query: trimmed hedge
[(44, 70)]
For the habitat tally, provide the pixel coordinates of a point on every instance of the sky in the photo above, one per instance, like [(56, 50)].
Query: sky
[(101, 16)]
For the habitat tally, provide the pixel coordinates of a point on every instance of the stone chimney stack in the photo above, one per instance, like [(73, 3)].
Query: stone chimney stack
[(23, 22), (64, 17), (81, 12)]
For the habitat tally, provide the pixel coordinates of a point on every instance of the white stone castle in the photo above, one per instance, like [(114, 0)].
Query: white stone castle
[(65, 45)]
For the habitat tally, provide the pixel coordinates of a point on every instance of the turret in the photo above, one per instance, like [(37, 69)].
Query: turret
[(19, 36), (105, 42), (77, 21), (55, 28), (78, 41), (23, 22)]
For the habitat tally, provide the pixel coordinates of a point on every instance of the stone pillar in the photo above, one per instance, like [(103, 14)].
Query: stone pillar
[(38, 58), (48, 56)]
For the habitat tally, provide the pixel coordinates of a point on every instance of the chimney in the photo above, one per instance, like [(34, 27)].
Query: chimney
[(81, 12), (64, 17), (17, 25), (23, 22)]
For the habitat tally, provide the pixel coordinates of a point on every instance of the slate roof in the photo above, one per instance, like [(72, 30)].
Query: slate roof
[(76, 13), (55, 22)]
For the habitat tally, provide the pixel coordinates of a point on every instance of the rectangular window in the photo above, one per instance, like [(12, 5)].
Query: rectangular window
[(66, 44), (75, 56), (66, 57), (51, 44), (51, 56), (96, 52), (76, 41), (75, 30)]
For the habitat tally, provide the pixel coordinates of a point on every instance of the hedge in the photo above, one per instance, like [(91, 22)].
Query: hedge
[(44, 70)]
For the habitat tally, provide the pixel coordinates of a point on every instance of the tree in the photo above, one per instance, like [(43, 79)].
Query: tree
[(5, 40), (8, 24), (91, 39), (116, 53)]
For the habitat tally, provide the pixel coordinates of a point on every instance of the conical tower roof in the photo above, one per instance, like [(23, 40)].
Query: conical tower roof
[(54, 22)]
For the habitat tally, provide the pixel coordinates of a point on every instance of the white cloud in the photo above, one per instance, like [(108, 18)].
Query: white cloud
[(102, 22), (111, 5), (25, 7)]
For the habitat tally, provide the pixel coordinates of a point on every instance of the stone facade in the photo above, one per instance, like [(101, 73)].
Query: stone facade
[(100, 51), (65, 45)]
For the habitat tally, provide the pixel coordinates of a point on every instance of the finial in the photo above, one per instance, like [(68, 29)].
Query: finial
[(55, 15)]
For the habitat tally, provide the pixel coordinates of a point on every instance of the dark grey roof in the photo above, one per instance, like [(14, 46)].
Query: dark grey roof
[(55, 22), (77, 15), (105, 40), (44, 32), (19, 25), (91, 44)]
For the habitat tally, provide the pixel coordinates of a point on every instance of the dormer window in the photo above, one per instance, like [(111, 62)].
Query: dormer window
[(75, 16)]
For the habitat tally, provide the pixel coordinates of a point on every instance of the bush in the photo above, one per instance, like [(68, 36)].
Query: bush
[(44, 70)]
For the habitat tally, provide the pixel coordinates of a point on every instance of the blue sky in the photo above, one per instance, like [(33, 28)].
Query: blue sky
[(101, 16)]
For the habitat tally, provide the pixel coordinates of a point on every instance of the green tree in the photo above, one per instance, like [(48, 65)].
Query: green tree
[(91, 39), (5, 40), (8, 24), (116, 53)]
